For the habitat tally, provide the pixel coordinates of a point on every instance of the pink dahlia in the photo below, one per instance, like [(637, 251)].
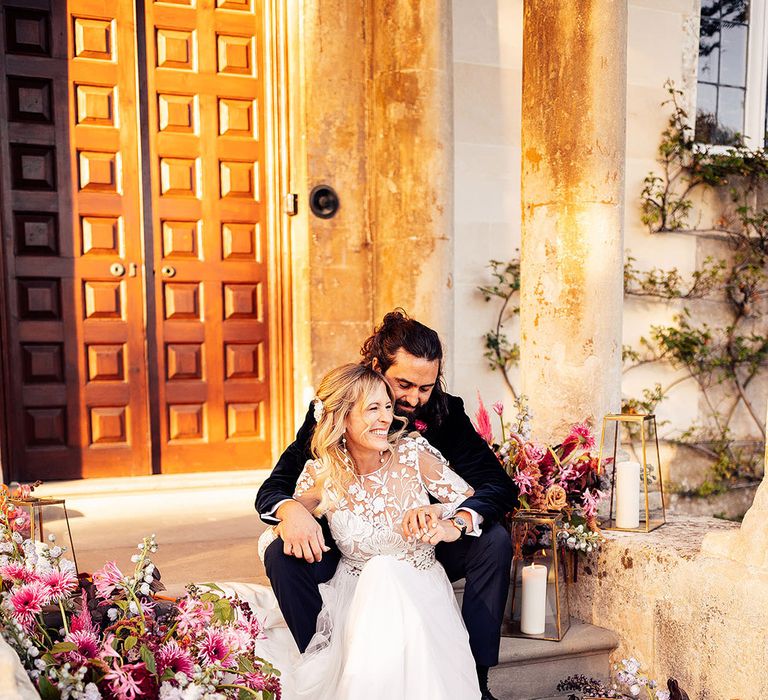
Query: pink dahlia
[(88, 646), (483, 421), (60, 584), (107, 579), (193, 615), (28, 601), (171, 655), (214, 647), (17, 572)]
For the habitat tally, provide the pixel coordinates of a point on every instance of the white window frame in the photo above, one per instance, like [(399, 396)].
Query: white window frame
[(757, 76)]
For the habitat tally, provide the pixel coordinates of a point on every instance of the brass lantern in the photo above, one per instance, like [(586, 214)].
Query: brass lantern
[(48, 516), (539, 599), (630, 459)]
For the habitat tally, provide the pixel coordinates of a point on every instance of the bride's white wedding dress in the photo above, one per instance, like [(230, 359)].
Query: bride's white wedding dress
[(390, 626)]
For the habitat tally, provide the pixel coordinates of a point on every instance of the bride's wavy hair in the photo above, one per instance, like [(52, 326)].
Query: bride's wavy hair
[(340, 390)]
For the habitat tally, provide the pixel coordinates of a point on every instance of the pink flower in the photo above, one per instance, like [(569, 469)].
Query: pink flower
[(193, 615), (123, 683), (20, 522), (258, 681), (580, 437), (106, 579), (171, 655), (88, 646), (534, 453), (28, 601), (498, 408), (17, 572), (420, 425), (24, 491), (524, 482), (60, 584), (82, 622), (590, 501), (483, 421), (214, 647)]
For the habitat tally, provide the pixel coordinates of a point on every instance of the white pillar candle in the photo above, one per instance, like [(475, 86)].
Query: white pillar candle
[(627, 495), (534, 599)]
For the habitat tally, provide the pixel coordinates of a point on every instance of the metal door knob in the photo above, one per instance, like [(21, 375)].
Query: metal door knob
[(168, 271), (117, 269)]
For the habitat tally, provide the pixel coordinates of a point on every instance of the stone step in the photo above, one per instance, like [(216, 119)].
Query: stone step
[(531, 668)]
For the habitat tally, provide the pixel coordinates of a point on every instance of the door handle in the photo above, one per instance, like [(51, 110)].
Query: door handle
[(117, 269), (168, 271)]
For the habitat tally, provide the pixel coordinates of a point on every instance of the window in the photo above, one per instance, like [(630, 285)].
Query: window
[(731, 86)]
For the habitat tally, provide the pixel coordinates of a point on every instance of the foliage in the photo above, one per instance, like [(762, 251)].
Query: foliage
[(721, 359), (112, 638), (628, 682)]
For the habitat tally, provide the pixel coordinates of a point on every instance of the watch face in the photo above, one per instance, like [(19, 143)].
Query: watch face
[(461, 522)]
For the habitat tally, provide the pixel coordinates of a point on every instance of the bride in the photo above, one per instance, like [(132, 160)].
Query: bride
[(390, 626)]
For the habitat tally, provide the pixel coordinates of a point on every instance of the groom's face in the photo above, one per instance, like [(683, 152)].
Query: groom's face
[(412, 380)]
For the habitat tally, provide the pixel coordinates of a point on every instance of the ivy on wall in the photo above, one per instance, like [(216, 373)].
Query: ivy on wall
[(722, 359)]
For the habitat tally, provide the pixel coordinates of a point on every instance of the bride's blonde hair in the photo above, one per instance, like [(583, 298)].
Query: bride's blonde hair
[(339, 391)]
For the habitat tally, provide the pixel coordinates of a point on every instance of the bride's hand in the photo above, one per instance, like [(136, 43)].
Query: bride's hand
[(301, 534), (421, 520), (445, 531)]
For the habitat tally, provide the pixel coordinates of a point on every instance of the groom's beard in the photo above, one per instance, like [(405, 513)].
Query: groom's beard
[(412, 414)]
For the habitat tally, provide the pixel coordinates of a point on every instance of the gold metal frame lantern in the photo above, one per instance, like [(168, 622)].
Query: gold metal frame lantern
[(539, 599), (41, 512), (642, 510)]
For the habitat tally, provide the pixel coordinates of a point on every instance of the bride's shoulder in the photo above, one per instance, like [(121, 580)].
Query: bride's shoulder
[(409, 447)]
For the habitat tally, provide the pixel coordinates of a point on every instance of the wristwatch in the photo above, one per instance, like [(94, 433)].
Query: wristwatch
[(461, 524)]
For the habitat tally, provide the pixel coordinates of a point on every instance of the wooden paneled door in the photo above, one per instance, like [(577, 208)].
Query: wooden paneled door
[(134, 237)]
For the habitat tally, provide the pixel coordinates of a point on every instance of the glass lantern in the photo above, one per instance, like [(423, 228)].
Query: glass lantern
[(539, 605), (631, 462), (48, 516)]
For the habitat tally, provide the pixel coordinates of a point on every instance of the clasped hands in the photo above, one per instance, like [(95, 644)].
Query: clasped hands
[(303, 537)]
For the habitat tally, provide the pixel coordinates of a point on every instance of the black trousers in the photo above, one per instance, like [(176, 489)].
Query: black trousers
[(483, 561)]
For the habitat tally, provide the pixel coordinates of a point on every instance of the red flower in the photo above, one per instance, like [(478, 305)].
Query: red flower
[(420, 425)]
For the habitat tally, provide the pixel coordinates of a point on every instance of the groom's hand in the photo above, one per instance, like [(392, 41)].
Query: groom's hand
[(301, 534), (445, 531)]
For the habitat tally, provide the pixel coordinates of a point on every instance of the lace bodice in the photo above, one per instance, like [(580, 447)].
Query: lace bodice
[(366, 521)]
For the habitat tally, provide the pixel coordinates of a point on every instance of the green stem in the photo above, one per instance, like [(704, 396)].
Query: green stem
[(253, 692), (63, 616)]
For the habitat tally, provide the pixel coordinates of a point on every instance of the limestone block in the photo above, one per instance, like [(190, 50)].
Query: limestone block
[(14, 682)]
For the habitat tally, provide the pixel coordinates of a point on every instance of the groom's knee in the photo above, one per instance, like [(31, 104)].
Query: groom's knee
[(277, 563), (494, 547)]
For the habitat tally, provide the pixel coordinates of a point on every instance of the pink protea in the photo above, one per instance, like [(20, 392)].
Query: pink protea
[(213, 648), (60, 584), (16, 572), (498, 408), (28, 601), (107, 579), (88, 645), (171, 656), (483, 421), (193, 616)]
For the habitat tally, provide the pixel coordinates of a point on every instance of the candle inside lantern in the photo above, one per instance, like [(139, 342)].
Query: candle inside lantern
[(534, 604), (627, 495)]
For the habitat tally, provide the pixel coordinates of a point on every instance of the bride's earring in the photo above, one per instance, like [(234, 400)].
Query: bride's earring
[(347, 459)]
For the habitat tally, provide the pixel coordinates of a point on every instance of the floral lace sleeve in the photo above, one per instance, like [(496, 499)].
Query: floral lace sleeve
[(309, 487), (439, 479)]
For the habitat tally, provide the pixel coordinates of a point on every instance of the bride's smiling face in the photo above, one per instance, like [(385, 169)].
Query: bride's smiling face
[(368, 422)]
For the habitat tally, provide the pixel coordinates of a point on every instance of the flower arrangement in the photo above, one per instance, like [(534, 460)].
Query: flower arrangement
[(629, 683), (562, 478), (111, 637)]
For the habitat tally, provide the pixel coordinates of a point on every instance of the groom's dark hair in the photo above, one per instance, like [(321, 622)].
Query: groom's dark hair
[(399, 331)]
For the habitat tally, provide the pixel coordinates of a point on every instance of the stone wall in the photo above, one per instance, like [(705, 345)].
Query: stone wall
[(683, 610)]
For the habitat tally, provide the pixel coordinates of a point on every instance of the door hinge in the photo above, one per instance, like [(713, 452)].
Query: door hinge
[(291, 204)]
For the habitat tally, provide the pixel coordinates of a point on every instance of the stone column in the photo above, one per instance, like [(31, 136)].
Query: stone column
[(411, 160), (573, 144)]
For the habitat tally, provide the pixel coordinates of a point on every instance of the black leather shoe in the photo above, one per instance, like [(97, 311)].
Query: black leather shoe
[(486, 695)]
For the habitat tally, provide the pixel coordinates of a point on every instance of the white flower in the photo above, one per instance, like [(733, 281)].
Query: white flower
[(33, 652), (56, 551), (17, 538), (51, 537), (39, 664), (634, 689), (144, 589), (135, 558), (91, 692), (318, 409), (133, 607), (170, 692)]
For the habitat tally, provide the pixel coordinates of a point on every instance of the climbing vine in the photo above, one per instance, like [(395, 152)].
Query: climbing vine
[(722, 359)]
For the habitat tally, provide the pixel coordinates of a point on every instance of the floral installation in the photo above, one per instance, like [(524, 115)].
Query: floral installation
[(561, 478), (628, 683), (112, 637)]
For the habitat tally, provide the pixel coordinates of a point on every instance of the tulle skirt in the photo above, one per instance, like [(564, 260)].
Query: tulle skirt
[(391, 631)]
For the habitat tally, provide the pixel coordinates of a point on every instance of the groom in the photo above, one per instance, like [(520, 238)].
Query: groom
[(410, 357)]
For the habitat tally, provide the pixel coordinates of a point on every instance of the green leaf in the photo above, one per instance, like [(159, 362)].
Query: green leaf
[(48, 691), (148, 658), (62, 647), (168, 675), (212, 586), (129, 643), (245, 665), (222, 609)]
